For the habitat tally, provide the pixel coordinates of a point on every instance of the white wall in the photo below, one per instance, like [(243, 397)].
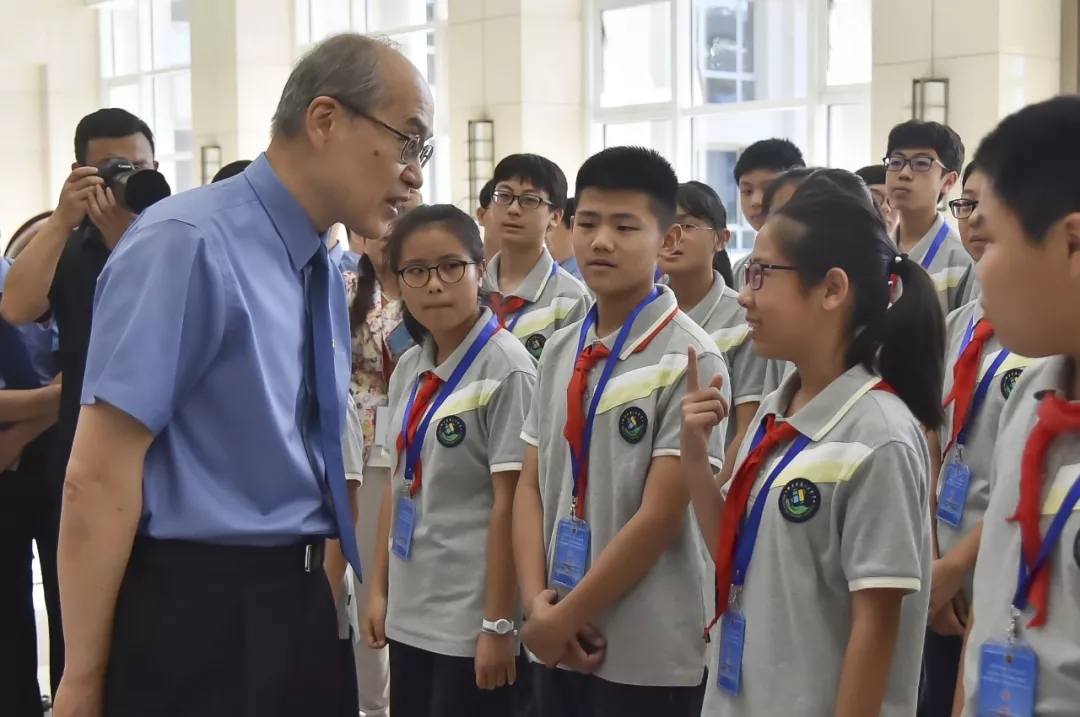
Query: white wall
[(48, 82)]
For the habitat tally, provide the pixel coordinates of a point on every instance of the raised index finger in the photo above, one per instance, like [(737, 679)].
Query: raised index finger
[(691, 370)]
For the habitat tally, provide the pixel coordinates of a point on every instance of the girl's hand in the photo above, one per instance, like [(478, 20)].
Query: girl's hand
[(702, 410)]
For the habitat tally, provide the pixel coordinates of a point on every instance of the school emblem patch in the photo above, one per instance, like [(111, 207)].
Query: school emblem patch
[(450, 431), (633, 423), (799, 500), (535, 345), (1008, 381)]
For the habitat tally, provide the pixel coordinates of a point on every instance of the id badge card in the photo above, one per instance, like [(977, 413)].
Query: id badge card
[(404, 523), (571, 553), (954, 493), (399, 341), (732, 639), (1007, 680)]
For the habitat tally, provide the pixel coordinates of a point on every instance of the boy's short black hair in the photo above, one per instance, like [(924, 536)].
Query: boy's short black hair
[(972, 166), (874, 174), (772, 154), (485, 194), (634, 169), (916, 134), (1032, 159), (568, 213), (231, 170), (538, 171), (108, 123)]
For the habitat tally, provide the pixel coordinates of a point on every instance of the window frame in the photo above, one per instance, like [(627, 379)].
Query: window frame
[(681, 111), (143, 79)]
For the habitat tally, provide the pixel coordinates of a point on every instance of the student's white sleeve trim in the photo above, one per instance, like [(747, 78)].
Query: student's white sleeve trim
[(740, 400), (911, 585), (505, 467), (676, 453), (530, 440), (355, 477)]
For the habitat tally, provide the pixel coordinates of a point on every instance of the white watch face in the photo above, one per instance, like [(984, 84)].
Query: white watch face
[(499, 627)]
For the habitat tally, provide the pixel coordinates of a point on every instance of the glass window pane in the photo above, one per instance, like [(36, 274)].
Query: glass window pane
[(850, 60), (329, 17), (747, 50), (717, 141), (126, 97), (636, 55), (125, 39), (849, 136), (172, 113), (393, 14), (655, 134), (419, 47), (171, 33)]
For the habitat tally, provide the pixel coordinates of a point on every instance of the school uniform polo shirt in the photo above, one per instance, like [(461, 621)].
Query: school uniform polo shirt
[(437, 595), (982, 433), (848, 513), (721, 316), (738, 273), (654, 631), (554, 300), (1057, 643), (952, 268)]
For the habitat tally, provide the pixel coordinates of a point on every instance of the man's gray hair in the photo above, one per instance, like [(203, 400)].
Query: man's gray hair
[(345, 67)]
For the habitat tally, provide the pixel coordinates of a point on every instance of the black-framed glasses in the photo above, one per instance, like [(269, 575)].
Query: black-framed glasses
[(412, 147), (450, 271), (962, 208), (754, 272), (505, 197), (922, 163)]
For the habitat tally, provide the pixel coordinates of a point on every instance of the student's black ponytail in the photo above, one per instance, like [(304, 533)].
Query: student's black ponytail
[(830, 226), (427, 216)]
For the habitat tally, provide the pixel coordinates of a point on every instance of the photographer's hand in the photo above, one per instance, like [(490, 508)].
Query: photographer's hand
[(109, 216), (80, 185)]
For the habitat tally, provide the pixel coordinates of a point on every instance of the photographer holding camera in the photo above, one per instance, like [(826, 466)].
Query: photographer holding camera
[(57, 272)]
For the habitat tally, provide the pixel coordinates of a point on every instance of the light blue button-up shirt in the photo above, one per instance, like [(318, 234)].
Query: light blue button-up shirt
[(201, 333), (40, 340)]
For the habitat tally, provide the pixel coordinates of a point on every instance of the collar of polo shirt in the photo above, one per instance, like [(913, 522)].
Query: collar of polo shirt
[(446, 369), (825, 410), (650, 318), (289, 218), (535, 281), (704, 310)]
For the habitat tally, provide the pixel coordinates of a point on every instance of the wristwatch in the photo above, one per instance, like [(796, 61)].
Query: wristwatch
[(500, 627)]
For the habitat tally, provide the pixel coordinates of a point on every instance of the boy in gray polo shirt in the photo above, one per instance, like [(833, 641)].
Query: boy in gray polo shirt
[(639, 576), (1022, 651), (530, 293)]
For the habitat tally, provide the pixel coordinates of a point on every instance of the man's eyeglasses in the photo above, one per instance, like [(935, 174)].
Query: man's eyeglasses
[(754, 273), (412, 148), (921, 163), (505, 198), (963, 208), (450, 271)]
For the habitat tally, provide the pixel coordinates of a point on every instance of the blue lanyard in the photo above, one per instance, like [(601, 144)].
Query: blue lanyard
[(513, 322), (744, 550), (605, 376), (1027, 577), (933, 250), (984, 385), (412, 449)]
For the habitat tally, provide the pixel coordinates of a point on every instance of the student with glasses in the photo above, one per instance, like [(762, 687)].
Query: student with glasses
[(874, 176), (922, 164), (443, 593), (531, 295)]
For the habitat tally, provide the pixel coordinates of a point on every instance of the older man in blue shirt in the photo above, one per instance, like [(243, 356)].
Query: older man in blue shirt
[(207, 472)]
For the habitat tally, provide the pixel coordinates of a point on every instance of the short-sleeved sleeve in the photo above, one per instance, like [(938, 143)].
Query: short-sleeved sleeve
[(352, 442), (530, 430), (159, 318), (505, 419), (882, 518), (747, 374), (577, 312), (668, 440)]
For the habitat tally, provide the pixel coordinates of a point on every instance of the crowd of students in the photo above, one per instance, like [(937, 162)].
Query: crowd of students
[(603, 471)]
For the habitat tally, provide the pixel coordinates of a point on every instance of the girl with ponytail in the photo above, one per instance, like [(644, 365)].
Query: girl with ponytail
[(821, 539)]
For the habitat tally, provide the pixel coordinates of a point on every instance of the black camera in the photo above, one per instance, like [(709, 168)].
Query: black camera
[(134, 188)]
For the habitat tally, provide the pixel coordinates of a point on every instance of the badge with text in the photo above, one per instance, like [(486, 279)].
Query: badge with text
[(633, 424), (535, 345), (1007, 680), (799, 500), (954, 493), (729, 664), (1008, 381), (450, 431), (571, 553), (404, 523)]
